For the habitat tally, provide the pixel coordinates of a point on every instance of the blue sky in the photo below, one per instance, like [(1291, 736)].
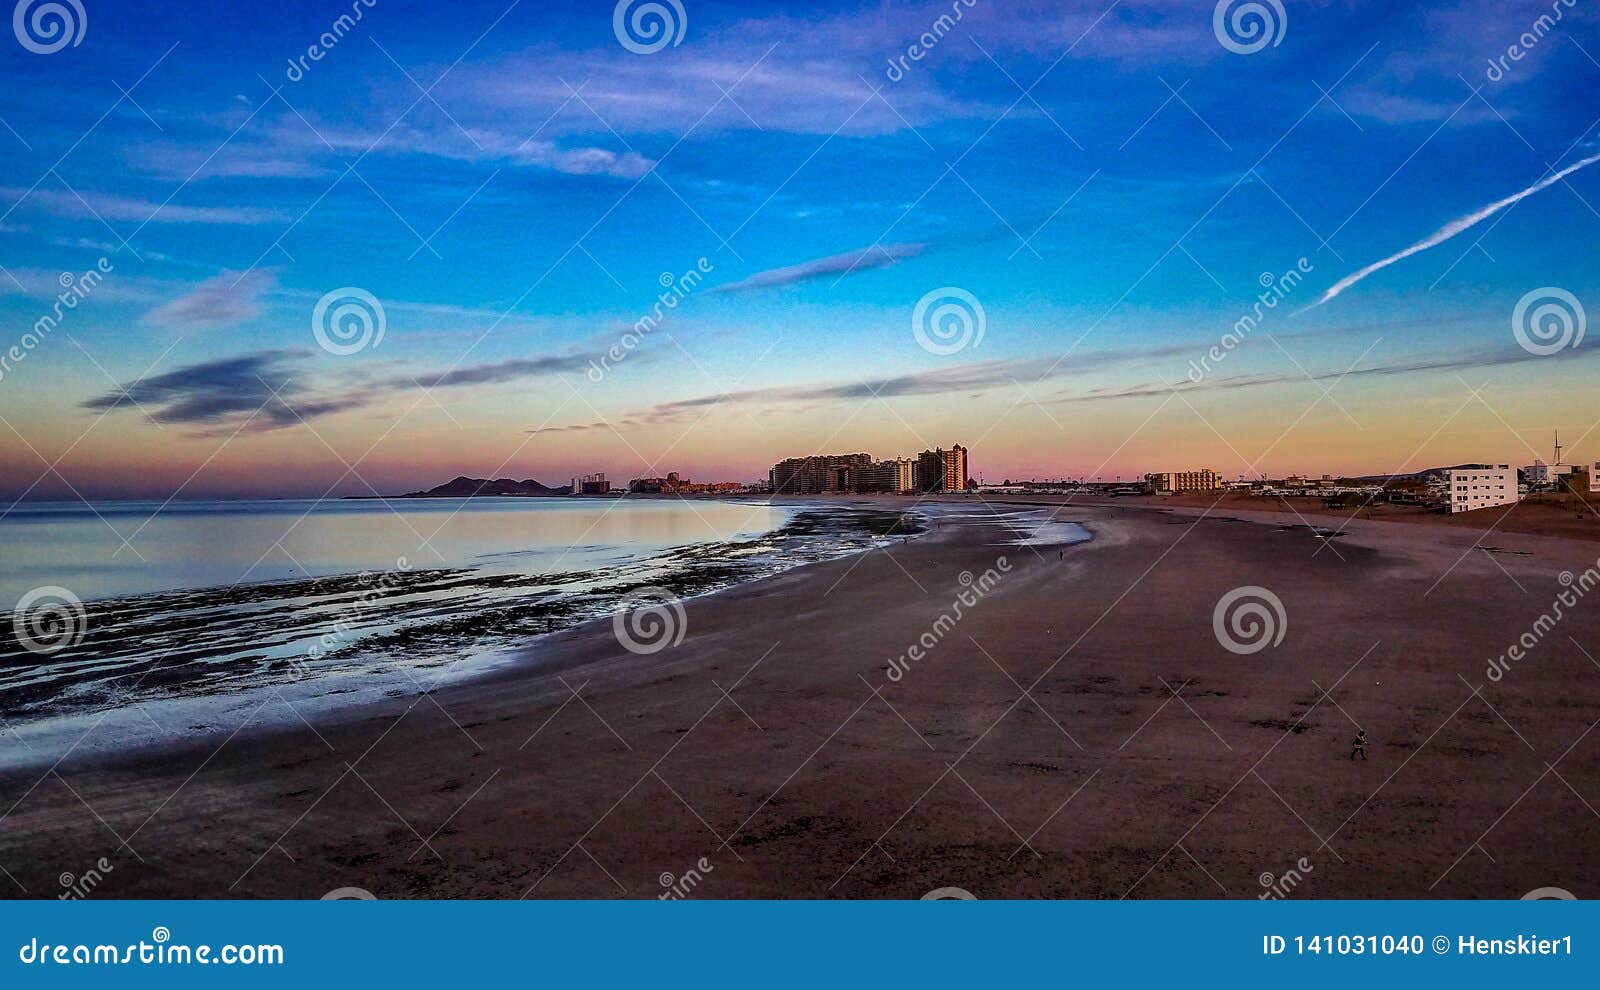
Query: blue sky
[(510, 181)]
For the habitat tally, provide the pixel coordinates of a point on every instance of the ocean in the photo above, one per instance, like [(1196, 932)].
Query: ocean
[(139, 620)]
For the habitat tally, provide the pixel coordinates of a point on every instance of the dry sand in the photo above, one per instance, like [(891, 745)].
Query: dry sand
[(1569, 515), (1144, 759)]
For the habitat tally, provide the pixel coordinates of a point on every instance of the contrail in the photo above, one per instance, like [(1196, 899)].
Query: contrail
[(1451, 229)]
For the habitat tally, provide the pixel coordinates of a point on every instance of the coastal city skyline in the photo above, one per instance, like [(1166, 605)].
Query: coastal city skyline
[(265, 298), (1031, 454)]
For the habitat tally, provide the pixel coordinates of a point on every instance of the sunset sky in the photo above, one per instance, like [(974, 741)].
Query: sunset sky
[(510, 182)]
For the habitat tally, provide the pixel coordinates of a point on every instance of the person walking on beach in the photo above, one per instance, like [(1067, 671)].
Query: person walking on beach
[(1359, 745)]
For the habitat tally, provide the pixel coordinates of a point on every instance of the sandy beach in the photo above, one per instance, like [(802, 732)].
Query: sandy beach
[(1079, 731)]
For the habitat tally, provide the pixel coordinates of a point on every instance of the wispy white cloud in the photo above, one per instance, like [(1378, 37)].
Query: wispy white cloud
[(90, 205), (234, 159), (879, 256), (1452, 229), (1012, 373), (224, 300), (474, 142)]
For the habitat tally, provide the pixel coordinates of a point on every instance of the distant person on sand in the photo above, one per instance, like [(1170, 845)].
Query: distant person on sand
[(1359, 745)]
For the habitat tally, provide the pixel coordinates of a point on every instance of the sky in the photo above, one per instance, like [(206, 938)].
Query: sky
[(309, 256)]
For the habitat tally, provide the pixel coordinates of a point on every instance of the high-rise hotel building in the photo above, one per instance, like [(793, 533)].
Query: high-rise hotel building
[(825, 474), (941, 470), (819, 474)]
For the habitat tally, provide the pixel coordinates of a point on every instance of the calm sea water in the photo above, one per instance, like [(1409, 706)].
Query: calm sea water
[(195, 617), (112, 549)]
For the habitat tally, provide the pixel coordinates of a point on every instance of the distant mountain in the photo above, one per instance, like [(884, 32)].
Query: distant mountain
[(464, 487), (1415, 475)]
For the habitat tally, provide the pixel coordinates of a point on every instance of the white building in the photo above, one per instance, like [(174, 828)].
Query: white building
[(1482, 486), (1540, 473)]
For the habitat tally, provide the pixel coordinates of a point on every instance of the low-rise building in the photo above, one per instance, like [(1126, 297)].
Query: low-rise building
[(1481, 486), (1204, 480), (674, 484)]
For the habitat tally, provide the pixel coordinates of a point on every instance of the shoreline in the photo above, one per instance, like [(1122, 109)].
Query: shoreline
[(773, 742), (808, 534)]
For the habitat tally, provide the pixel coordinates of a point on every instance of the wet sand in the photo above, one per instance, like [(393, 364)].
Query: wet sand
[(1078, 732)]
